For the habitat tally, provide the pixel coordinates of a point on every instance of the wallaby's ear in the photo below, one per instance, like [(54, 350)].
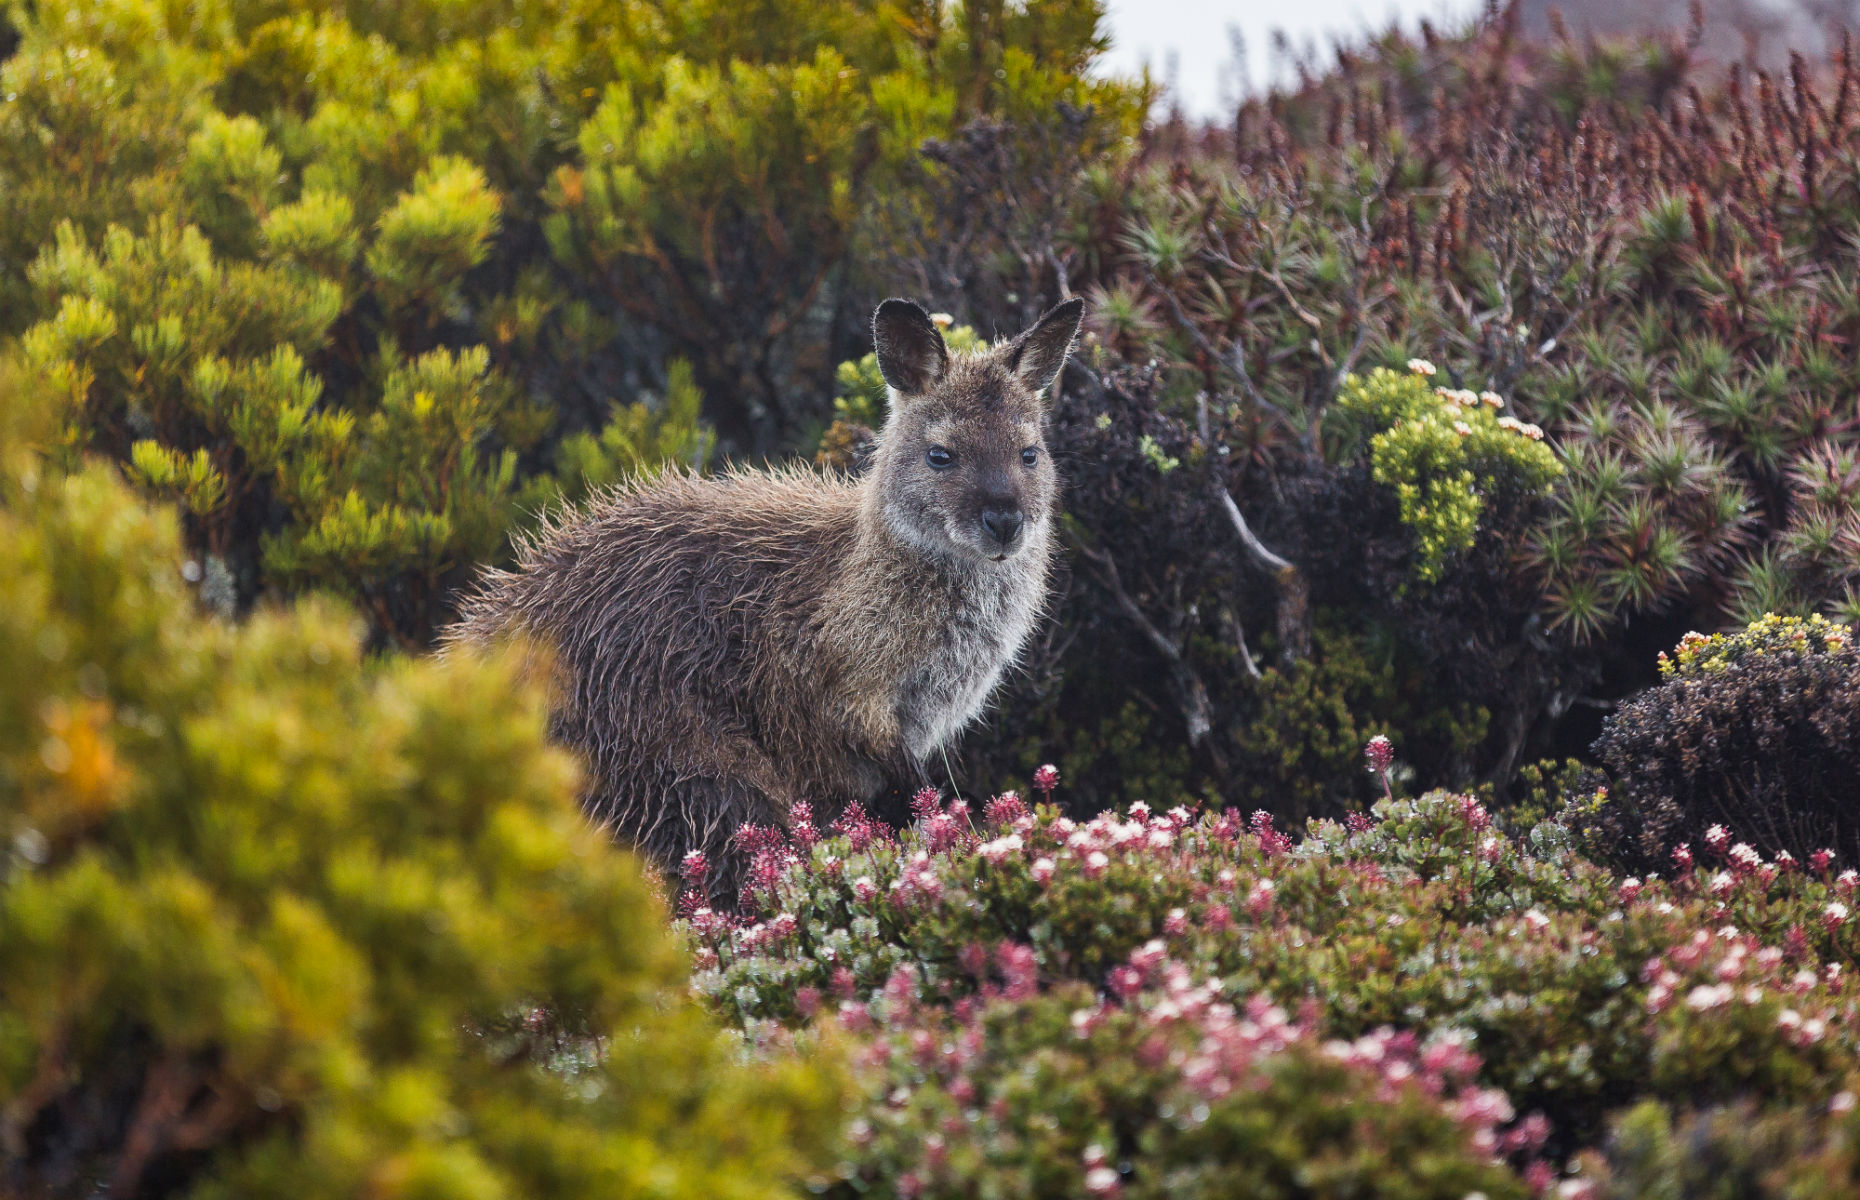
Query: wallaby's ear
[(911, 353), (1038, 354)]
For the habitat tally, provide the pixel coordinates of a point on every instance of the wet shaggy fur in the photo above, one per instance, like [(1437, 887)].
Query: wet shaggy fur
[(729, 646)]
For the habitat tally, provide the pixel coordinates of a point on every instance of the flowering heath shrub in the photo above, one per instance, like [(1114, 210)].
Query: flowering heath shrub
[(1759, 729), (1031, 986), (1161, 1089)]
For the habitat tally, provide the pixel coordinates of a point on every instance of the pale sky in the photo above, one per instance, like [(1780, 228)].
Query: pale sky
[(1196, 32)]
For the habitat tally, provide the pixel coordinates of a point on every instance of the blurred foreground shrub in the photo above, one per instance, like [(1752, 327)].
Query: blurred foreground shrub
[(280, 921)]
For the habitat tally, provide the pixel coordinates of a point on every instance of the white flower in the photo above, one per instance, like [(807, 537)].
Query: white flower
[(1420, 366), (1000, 848)]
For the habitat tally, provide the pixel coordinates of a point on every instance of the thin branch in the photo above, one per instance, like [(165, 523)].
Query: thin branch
[(1294, 597), (1196, 709), (1262, 557)]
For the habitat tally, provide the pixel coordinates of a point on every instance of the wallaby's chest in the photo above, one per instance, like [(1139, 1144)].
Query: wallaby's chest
[(971, 646)]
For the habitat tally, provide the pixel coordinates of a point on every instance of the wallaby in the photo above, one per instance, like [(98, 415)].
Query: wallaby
[(730, 646)]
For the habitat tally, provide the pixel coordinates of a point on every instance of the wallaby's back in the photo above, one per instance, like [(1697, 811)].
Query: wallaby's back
[(680, 610), (728, 647)]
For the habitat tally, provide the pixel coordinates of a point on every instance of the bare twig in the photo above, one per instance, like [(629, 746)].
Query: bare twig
[(1191, 695), (1294, 596)]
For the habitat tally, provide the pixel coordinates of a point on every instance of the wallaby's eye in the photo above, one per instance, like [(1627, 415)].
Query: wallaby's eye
[(940, 458), (1030, 456)]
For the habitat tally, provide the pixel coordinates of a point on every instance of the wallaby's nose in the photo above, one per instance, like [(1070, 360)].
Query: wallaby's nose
[(1002, 524)]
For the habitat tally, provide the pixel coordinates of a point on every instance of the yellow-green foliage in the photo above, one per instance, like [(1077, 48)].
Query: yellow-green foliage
[(1698, 654), (638, 439), (362, 285), (1443, 451), (280, 921)]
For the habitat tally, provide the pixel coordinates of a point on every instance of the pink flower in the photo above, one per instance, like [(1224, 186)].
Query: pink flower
[(1270, 840), (801, 829), (1381, 754), (1004, 809), (1834, 916), (1126, 981), (926, 802), (1260, 898), (1046, 779), (1019, 969), (1629, 889), (1042, 870)]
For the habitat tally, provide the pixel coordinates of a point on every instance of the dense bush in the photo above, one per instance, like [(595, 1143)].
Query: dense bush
[(1163, 1091), (1642, 253), (278, 921), (361, 332), (958, 949), (1758, 731), (363, 288), (1735, 1152)]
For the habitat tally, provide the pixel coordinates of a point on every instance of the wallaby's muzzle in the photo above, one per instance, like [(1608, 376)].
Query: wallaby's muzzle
[(1003, 526)]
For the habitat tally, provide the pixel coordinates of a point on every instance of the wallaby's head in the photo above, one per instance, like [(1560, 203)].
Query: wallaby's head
[(961, 468)]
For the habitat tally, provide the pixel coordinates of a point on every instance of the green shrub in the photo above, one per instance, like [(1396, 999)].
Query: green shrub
[(281, 921), (365, 288), (1737, 1152)]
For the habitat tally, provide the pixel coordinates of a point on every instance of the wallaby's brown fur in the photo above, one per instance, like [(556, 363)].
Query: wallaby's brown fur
[(732, 645)]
